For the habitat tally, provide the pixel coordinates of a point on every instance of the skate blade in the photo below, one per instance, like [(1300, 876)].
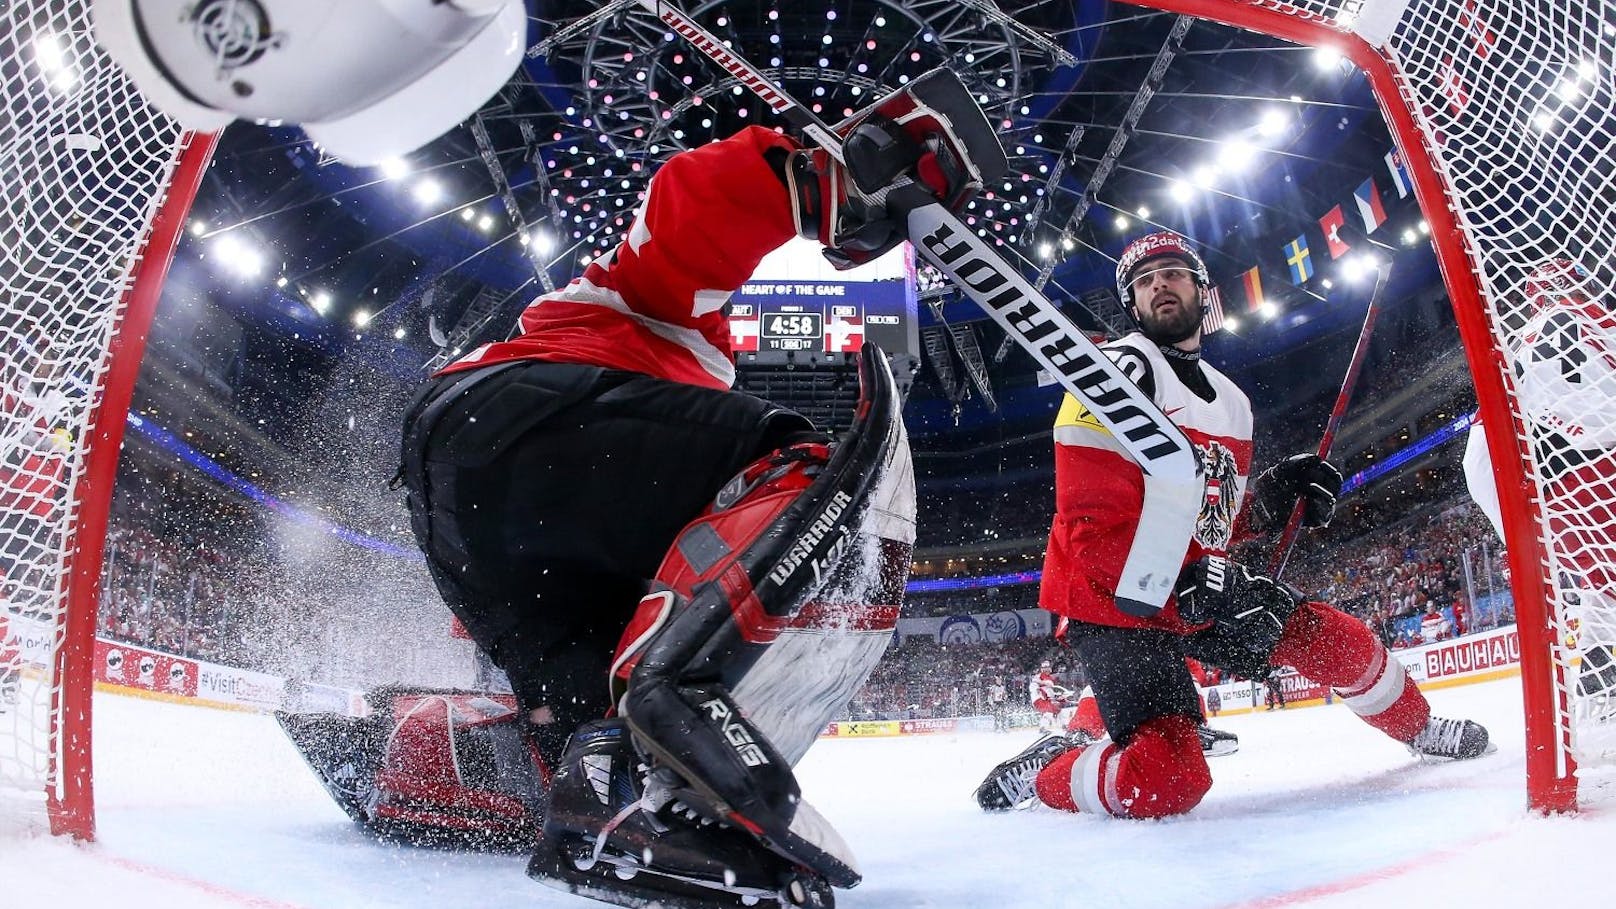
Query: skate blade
[(1219, 749), (1492, 748), (792, 845), (622, 881)]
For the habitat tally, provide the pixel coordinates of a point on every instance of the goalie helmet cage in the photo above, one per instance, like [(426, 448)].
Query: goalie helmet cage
[(1501, 110), (94, 189)]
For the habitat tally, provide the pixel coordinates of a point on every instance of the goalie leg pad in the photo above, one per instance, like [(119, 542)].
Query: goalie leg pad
[(772, 609)]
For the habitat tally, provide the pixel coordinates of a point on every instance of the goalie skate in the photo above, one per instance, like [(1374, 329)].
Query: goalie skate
[(614, 835)]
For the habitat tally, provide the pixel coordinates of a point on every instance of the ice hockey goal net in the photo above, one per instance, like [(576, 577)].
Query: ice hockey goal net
[(1502, 110), (94, 187)]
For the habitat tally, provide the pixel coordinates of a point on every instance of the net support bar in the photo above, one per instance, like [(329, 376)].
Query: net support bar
[(1550, 768), (70, 799)]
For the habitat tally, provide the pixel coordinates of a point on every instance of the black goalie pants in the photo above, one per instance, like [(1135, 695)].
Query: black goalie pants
[(545, 495)]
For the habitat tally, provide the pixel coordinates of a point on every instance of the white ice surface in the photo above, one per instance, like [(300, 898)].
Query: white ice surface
[(199, 808)]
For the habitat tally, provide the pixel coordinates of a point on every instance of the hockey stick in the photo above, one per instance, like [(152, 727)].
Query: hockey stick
[(1287, 538), (1173, 483)]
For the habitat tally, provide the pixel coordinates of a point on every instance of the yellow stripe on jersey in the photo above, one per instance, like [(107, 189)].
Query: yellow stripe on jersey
[(1073, 413)]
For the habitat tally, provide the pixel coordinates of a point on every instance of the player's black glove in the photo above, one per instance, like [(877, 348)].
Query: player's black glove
[(1304, 476), (1248, 613), (926, 142)]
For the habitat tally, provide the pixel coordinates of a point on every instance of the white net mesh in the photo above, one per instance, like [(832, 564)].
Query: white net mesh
[(83, 162), (1516, 99)]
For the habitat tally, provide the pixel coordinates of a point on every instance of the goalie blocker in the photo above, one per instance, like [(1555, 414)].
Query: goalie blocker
[(768, 613)]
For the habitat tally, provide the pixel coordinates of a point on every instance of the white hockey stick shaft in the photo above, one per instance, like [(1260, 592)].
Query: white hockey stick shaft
[(1174, 487)]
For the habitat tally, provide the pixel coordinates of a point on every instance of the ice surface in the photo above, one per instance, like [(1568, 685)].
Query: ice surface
[(200, 808)]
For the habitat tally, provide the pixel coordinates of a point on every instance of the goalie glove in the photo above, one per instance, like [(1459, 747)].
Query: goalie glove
[(1247, 612), (1304, 476), (930, 134)]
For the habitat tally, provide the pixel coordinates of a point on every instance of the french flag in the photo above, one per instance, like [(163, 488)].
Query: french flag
[(1368, 198), (1399, 171)]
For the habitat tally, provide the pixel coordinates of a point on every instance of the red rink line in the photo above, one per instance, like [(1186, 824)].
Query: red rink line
[(223, 893), (1358, 882)]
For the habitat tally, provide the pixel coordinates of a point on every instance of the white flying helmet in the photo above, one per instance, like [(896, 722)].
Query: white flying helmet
[(366, 79), (1154, 246)]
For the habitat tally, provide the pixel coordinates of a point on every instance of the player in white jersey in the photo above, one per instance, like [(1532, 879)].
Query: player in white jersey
[(1223, 614), (1564, 363)]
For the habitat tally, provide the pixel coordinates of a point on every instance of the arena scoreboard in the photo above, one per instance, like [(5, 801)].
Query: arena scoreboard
[(822, 317)]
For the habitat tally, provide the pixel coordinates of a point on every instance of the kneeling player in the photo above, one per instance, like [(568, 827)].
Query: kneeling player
[(1223, 615)]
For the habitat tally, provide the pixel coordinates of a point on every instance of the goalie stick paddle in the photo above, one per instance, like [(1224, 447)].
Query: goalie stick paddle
[(1287, 538), (1173, 484)]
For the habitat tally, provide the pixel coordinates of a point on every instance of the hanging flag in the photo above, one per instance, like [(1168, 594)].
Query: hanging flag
[(1300, 260), (1331, 224), (1212, 319), (1369, 208), (1400, 179), (1252, 282)]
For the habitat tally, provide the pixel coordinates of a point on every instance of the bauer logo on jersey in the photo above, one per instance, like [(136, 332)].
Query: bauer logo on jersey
[(1215, 525)]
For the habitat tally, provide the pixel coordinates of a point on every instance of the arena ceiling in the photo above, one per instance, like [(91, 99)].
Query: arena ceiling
[(1118, 119)]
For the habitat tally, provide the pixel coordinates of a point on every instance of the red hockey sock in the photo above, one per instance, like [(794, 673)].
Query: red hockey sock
[(1335, 649), (1087, 719), (1162, 772)]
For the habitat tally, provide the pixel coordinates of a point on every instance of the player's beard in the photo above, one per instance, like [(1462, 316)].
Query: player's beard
[(1179, 325)]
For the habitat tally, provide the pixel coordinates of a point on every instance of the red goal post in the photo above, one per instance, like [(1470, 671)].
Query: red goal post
[(1510, 169), (95, 186)]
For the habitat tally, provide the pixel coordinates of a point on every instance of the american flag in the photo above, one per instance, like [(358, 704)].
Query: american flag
[(1212, 319)]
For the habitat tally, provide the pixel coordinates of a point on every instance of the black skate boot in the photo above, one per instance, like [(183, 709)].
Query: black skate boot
[(612, 834), (1451, 740), (1009, 786), (1216, 742)]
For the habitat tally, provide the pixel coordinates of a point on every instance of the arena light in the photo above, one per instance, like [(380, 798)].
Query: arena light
[(280, 281), (1267, 309), (1326, 58), (485, 223), (1231, 323), (1180, 191), (1410, 237), (466, 214), (399, 333), (1204, 176), (198, 228), (1425, 227), (320, 302), (1235, 155), (1273, 123), (394, 168), (427, 191), (235, 254), (1143, 213), (1123, 222), (1046, 250), (361, 317)]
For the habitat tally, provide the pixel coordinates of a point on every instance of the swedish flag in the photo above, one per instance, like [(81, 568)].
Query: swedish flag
[(1300, 260)]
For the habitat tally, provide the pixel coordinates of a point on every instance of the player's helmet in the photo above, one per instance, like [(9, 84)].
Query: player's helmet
[(1155, 246), (1044, 665), (367, 79), (1557, 279)]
